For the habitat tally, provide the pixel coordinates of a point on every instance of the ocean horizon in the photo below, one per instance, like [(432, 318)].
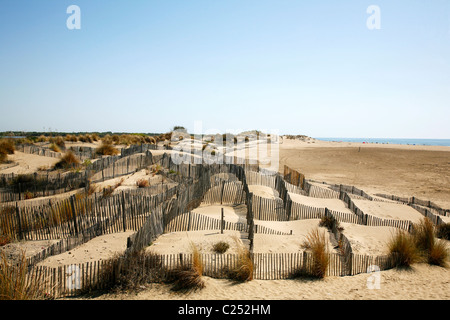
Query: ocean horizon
[(419, 142)]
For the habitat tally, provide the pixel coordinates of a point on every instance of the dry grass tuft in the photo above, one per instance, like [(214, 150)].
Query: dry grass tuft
[(107, 149), (221, 247), (443, 231), (71, 138), (58, 142), (7, 146), (68, 161), (432, 250), (129, 273), (85, 138), (330, 223), (155, 169), (402, 249), (54, 148), (15, 283), (317, 243), (142, 183), (188, 277), (439, 254), (108, 191), (42, 138), (4, 240), (3, 157), (423, 234), (243, 271)]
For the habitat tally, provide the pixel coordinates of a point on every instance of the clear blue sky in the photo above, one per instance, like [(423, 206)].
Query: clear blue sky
[(299, 67)]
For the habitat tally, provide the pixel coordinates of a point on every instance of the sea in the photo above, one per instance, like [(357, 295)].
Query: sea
[(413, 142)]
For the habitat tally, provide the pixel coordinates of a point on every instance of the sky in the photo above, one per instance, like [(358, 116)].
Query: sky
[(281, 66)]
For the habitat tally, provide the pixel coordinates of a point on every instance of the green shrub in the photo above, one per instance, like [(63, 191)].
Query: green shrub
[(221, 247)]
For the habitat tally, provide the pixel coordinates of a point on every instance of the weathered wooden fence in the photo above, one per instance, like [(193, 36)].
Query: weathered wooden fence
[(294, 177), (76, 220), (71, 280), (415, 201)]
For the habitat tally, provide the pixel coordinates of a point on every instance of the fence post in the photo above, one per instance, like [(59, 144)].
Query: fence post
[(221, 222), (18, 221), (189, 221), (221, 196), (124, 221), (350, 264), (72, 204)]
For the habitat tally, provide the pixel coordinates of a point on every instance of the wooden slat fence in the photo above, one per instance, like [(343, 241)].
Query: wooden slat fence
[(320, 192), (268, 209), (71, 280), (414, 200)]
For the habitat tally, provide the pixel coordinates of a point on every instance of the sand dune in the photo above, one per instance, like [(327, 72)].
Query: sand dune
[(422, 282), (401, 170)]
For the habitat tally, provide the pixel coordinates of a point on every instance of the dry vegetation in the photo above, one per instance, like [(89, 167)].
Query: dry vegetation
[(142, 183), (107, 149), (221, 247), (402, 249), (317, 243), (68, 161), (54, 148), (244, 269), (443, 231), (431, 249), (419, 246), (188, 277), (13, 281), (6, 147), (132, 276)]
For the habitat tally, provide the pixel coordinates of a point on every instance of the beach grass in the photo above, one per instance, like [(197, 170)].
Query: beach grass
[(402, 249)]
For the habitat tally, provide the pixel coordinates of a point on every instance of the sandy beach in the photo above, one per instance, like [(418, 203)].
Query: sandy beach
[(422, 282), (401, 170)]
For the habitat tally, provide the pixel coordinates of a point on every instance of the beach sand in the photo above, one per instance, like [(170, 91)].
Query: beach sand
[(402, 170), (421, 282), (418, 171)]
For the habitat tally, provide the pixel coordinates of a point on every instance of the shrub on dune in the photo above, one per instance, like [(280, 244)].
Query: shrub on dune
[(142, 183), (71, 138), (54, 148), (221, 247), (423, 233), (432, 250), (3, 157), (85, 138), (68, 161), (317, 243), (58, 141), (439, 254), (42, 138), (443, 231), (107, 149), (402, 249), (7, 146), (188, 277), (14, 282), (243, 270)]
